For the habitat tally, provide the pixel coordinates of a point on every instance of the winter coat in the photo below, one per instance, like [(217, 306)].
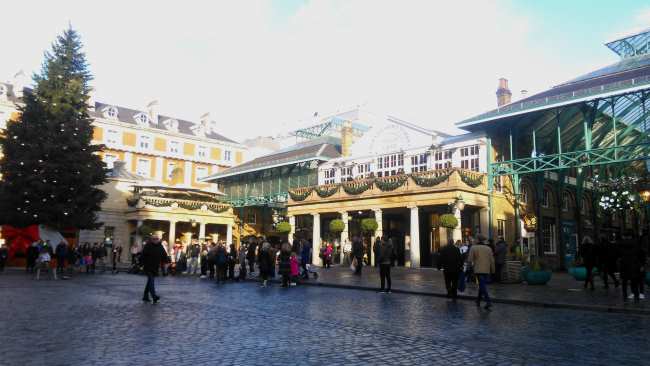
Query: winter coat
[(588, 254), (61, 251), (385, 252), (482, 258), (608, 254), (450, 259), (153, 254), (4, 254), (357, 248), (632, 259), (285, 263), (221, 256), (265, 261), (294, 266), (193, 251), (501, 252), (305, 254)]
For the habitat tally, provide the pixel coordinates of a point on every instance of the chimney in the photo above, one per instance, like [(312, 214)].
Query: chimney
[(19, 83), (503, 93), (205, 122), (152, 109), (346, 139)]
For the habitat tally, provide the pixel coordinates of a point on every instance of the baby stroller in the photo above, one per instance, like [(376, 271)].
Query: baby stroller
[(311, 270)]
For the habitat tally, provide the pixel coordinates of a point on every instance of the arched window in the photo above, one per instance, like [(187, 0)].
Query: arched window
[(546, 198), (110, 112), (3, 90), (142, 119), (171, 124), (523, 192), (566, 201)]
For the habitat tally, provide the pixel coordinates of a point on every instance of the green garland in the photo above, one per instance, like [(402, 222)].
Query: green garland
[(356, 188), (300, 196), (469, 180), (187, 205), (327, 190), (425, 181), (392, 184)]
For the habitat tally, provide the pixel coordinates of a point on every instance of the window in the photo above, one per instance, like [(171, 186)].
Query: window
[(141, 119), (498, 183), (171, 124), (548, 236), (464, 152), (202, 152), (584, 207), (524, 194), (437, 156), (473, 150), (112, 136), (109, 159), (447, 165), (566, 199), (464, 164), (144, 142), (346, 174), (447, 154), (109, 233), (171, 166), (419, 163), (474, 164), (227, 155), (174, 147), (201, 172), (501, 228), (250, 217), (330, 176), (110, 112), (546, 199), (363, 169), (143, 168), (3, 90)]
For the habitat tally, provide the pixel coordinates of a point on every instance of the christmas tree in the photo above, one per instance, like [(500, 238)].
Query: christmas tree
[(50, 171)]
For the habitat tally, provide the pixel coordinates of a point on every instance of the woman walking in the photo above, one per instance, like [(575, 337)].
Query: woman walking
[(285, 264), (265, 262), (589, 255)]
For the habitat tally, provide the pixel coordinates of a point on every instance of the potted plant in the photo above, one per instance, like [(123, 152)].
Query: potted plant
[(579, 272), (369, 225), (337, 226), (536, 273), (449, 222), (283, 227)]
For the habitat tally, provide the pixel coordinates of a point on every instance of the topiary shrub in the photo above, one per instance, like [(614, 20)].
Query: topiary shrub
[(369, 225), (283, 227), (337, 226), (449, 221)]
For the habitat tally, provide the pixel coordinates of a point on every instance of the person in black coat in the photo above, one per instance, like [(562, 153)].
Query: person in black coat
[(153, 255), (4, 256), (357, 253), (385, 254), (632, 261), (608, 254), (451, 262), (265, 261), (285, 264), (589, 258), (232, 260), (250, 255)]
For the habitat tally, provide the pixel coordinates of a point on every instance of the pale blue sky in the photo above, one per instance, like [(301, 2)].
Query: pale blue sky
[(261, 66)]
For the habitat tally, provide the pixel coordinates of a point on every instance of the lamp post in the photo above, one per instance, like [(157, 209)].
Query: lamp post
[(458, 205)]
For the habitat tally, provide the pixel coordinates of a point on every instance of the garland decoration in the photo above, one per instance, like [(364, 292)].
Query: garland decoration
[(326, 190), (426, 180), (300, 195), (472, 181), (358, 187), (391, 183), (188, 205)]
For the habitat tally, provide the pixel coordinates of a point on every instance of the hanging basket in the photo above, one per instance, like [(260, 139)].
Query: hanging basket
[(429, 179), (391, 183), (300, 195), (326, 190), (283, 227), (355, 188), (337, 226), (470, 179), (369, 225), (449, 221)]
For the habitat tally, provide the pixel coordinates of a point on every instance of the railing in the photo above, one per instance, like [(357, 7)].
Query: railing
[(433, 180)]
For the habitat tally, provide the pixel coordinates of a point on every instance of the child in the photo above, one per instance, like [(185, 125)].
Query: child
[(293, 261)]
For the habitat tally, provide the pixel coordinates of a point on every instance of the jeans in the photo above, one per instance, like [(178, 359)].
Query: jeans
[(192, 265), (482, 288), (451, 283), (497, 272), (150, 288), (359, 265), (461, 281), (384, 274)]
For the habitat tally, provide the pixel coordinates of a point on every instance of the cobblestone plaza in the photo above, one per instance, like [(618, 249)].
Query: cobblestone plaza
[(100, 320)]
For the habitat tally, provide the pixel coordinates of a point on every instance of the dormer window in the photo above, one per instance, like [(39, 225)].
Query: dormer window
[(198, 130), (110, 112), (171, 124), (3, 91), (142, 119)]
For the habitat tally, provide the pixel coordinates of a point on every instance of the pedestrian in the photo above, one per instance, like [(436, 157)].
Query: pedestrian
[(212, 260), (153, 255), (589, 257), (203, 261), (243, 251), (4, 256), (384, 256), (357, 254), (221, 262), (231, 261), (265, 262), (324, 256), (114, 259), (500, 252), (295, 269), (32, 256), (451, 262), (464, 253), (482, 259), (284, 260), (347, 249), (193, 252), (252, 246), (375, 250), (61, 253), (43, 261), (74, 258), (608, 254), (632, 261), (305, 258)]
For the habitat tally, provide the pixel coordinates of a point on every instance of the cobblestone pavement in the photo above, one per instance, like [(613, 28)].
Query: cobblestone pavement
[(100, 320), (562, 289)]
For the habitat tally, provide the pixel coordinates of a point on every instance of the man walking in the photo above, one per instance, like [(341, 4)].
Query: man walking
[(193, 252), (451, 262), (153, 255), (384, 256), (482, 260), (357, 254), (632, 261), (4, 256), (500, 252)]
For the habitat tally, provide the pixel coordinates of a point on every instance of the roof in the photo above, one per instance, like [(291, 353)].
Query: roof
[(322, 149), (631, 44), (125, 115), (627, 74)]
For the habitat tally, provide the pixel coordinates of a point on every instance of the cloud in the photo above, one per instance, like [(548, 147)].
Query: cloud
[(429, 62)]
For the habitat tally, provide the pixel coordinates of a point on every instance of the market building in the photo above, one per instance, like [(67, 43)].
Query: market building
[(566, 150)]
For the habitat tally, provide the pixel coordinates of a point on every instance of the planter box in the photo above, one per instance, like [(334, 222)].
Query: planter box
[(511, 272), (535, 277), (580, 273)]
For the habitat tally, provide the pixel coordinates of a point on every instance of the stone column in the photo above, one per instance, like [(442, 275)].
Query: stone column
[(315, 249), (344, 233), (458, 232), (138, 237), (292, 223), (378, 233), (229, 234), (415, 237), (201, 230), (171, 238), (484, 220)]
